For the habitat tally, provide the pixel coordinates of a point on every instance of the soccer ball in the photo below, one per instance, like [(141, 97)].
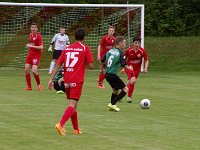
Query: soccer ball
[(145, 104)]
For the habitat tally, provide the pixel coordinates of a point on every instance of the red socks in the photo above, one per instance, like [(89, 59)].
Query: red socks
[(28, 80), (37, 78), (67, 114), (130, 89), (101, 78), (74, 120)]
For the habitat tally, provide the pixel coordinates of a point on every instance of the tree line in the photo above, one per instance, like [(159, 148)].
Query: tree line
[(162, 18)]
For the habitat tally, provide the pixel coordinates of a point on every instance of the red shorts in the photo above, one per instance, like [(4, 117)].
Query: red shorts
[(132, 73), (73, 90), (33, 60)]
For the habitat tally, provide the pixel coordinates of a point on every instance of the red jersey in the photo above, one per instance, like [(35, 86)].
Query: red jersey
[(75, 58), (107, 43), (134, 58), (36, 40)]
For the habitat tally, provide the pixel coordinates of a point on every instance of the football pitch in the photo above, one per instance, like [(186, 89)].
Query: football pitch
[(27, 119)]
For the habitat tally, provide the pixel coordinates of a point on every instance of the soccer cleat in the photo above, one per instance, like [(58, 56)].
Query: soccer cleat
[(113, 107), (60, 129), (28, 89), (60, 92), (40, 88), (78, 132), (101, 86), (129, 100)]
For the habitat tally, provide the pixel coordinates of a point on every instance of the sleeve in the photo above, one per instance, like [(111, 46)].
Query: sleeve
[(103, 41), (145, 55), (89, 57), (61, 58), (122, 59), (40, 40), (54, 39)]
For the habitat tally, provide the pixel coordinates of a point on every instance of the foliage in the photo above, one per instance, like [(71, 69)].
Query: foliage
[(162, 18)]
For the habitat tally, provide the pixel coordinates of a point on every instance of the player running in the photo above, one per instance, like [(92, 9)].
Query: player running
[(107, 42), (113, 59), (134, 56), (75, 57), (33, 58)]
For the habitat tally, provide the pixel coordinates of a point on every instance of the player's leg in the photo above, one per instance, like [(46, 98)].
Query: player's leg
[(73, 94), (28, 76), (131, 85), (56, 55), (116, 83), (101, 77), (37, 76)]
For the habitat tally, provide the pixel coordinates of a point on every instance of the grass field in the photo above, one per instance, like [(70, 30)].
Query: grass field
[(27, 119)]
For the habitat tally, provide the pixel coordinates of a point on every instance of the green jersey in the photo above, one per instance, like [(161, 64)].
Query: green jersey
[(59, 74), (113, 58)]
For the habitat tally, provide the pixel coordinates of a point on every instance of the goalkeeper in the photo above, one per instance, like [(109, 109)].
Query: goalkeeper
[(61, 40), (59, 82)]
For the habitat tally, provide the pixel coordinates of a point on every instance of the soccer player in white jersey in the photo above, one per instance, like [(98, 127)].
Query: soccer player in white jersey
[(61, 40)]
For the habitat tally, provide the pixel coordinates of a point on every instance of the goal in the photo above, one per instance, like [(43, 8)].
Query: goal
[(128, 20)]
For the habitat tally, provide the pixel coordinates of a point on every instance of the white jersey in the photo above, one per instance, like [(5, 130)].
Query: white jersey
[(60, 41)]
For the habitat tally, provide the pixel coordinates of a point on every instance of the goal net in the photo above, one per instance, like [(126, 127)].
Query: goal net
[(16, 18)]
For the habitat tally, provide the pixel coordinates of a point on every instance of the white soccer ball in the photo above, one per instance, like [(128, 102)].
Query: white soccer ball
[(145, 104)]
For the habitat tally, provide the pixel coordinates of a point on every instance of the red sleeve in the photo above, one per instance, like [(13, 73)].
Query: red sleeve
[(40, 40), (89, 57), (103, 41), (61, 58), (126, 53), (145, 55)]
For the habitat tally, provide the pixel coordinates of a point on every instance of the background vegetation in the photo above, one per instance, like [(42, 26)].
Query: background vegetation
[(162, 18)]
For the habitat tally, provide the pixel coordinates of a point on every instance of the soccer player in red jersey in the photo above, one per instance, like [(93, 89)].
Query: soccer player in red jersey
[(33, 58), (134, 56), (75, 57), (107, 42)]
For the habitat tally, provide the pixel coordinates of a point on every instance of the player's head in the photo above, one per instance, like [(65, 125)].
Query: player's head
[(34, 27), (120, 42), (62, 30), (111, 30), (79, 34), (136, 41)]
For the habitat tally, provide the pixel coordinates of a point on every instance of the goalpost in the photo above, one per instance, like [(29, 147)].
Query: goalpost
[(16, 18)]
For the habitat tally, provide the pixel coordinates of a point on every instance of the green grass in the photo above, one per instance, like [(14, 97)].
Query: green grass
[(27, 119)]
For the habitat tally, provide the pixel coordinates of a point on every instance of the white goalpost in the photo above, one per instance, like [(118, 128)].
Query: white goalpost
[(16, 18)]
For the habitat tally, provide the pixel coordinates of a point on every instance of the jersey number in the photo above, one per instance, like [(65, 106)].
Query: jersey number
[(71, 55), (110, 61)]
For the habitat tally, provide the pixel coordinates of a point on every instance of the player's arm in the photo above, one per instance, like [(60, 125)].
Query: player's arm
[(67, 41), (35, 47), (123, 62), (56, 69), (52, 42), (98, 53), (146, 62), (146, 65)]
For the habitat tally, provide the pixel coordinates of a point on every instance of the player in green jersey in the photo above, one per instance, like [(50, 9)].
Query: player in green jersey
[(59, 82), (113, 59)]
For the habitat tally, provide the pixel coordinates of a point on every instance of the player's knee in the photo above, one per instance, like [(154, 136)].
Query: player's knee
[(132, 80), (125, 89)]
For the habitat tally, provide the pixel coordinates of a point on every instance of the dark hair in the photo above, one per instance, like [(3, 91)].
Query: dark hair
[(62, 27), (118, 39), (34, 24), (111, 27), (79, 34), (137, 38)]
